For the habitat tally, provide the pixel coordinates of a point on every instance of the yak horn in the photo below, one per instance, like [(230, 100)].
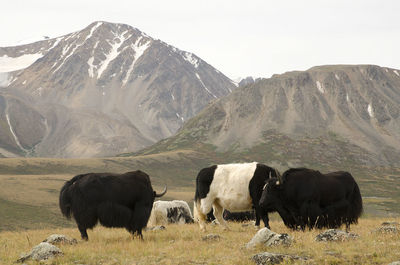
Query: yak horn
[(162, 193), (278, 175)]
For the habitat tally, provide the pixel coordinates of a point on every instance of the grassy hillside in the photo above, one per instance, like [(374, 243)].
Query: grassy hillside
[(183, 244)]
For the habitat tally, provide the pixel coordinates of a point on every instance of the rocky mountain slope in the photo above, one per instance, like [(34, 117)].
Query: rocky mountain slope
[(107, 89), (323, 116)]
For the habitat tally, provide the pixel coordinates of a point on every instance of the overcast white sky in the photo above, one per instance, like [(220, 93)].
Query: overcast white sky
[(239, 38)]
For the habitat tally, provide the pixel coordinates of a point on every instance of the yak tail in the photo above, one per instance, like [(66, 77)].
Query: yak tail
[(65, 196), (356, 204)]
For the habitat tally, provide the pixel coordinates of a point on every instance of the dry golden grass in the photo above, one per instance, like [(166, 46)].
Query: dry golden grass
[(182, 244)]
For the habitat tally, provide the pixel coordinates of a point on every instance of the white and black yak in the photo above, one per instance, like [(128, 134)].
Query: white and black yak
[(307, 198), (170, 212), (234, 187), (113, 200)]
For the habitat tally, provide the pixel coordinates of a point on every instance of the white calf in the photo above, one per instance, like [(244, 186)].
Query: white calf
[(166, 212)]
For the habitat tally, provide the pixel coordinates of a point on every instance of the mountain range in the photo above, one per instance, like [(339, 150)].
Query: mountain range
[(110, 89), (104, 90), (334, 116)]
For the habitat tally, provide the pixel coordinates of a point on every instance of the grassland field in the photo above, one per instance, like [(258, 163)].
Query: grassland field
[(29, 189), (183, 244)]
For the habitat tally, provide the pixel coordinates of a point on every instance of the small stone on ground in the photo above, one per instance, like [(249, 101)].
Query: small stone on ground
[(43, 251), (266, 258), (335, 235)]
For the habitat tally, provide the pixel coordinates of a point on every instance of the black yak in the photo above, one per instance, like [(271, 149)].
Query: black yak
[(239, 216), (307, 198), (114, 200), (233, 216)]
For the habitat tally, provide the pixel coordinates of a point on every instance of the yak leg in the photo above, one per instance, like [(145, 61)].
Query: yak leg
[(261, 214), (140, 216), (347, 227), (257, 224), (266, 220), (85, 219), (84, 234), (337, 214), (288, 217), (218, 210), (342, 208), (309, 213), (200, 210)]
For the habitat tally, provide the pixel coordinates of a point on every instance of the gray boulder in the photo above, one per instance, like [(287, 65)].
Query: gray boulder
[(43, 251), (273, 258), (60, 239), (395, 263), (335, 235), (268, 238)]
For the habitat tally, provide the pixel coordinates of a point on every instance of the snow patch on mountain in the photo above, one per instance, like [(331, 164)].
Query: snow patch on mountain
[(98, 24), (91, 67), (4, 80), (189, 57), (69, 54), (139, 50), (114, 52), (370, 111), (13, 133), (10, 64), (320, 87), (201, 81)]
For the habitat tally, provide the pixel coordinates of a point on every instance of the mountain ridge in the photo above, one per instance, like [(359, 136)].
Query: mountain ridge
[(144, 88), (354, 105)]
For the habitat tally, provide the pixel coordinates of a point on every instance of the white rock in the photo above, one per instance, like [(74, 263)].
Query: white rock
[(268, 238)]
